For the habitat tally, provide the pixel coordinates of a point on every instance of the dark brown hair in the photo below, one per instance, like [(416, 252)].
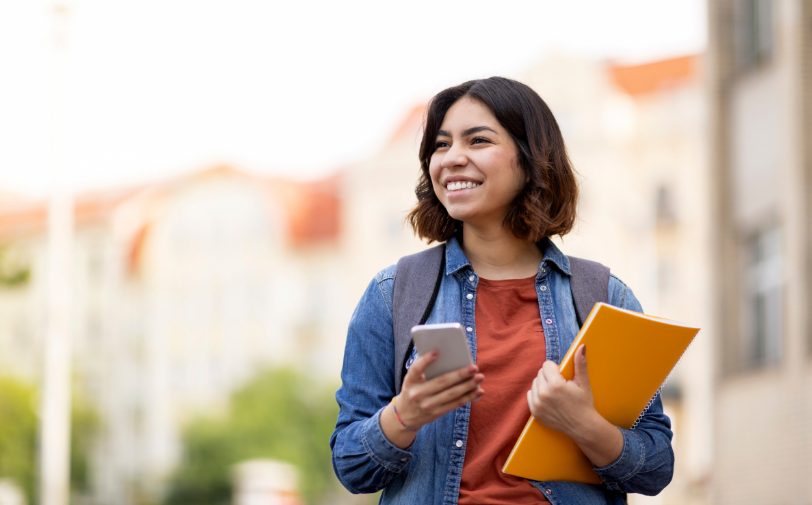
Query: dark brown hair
[(547, 204)]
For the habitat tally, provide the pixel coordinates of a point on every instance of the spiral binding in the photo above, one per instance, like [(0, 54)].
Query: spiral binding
[(637, 421)]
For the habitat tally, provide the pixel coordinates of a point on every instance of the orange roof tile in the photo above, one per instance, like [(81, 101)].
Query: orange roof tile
[(649, 77), (312, 208), (315, 212)]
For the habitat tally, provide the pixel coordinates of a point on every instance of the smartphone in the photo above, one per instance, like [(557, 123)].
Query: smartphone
[(449, 339)]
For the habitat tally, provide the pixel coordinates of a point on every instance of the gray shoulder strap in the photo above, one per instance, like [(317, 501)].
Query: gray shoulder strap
[(417, 279), (589, 285)]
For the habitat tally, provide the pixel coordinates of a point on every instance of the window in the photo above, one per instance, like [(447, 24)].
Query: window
[(754, 33), (665, 206), (763, 311)]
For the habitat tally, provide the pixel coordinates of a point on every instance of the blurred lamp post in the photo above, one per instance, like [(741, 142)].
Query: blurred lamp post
[(54, 436)]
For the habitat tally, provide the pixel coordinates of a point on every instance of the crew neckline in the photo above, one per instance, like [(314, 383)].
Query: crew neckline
[(507, 283)]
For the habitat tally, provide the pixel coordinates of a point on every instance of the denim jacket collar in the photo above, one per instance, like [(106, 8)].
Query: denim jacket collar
[(455, 258)]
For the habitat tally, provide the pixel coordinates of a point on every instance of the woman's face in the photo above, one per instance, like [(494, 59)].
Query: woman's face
[(474, 170)]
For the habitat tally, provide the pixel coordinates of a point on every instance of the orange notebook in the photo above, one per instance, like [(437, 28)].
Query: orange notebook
[(629, 357)]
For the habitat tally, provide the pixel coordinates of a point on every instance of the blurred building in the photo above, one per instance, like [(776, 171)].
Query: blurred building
[(637, 136), (377, 194), (760, 82), (182, 290)]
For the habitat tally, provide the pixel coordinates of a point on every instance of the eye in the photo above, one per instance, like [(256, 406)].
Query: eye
[(480, 140), (441, 143)]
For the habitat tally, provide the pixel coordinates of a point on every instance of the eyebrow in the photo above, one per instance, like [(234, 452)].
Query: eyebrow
[(467, 132)]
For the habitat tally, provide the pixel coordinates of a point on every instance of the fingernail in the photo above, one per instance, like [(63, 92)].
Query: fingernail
[(434, 353), (472, 369)]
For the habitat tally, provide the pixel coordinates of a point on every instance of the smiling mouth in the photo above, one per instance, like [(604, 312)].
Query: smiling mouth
[(460, 185)]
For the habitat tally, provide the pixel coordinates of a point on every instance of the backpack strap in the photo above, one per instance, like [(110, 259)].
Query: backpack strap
[(589, 285), (414, 291)]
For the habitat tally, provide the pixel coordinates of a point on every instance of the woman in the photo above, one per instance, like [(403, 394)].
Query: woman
[(496, 183)]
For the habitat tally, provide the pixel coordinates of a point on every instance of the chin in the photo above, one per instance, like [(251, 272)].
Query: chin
[(465, 217)]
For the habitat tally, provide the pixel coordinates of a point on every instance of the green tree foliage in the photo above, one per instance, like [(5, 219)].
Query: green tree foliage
[(278, 415), (18, 436), (14, 270)]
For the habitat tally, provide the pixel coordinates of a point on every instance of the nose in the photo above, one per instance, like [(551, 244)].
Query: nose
[(454, 157)]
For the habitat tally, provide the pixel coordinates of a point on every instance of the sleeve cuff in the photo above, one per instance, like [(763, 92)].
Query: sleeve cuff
[(627, 465), (380, 449)]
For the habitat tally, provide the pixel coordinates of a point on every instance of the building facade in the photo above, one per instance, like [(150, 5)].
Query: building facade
[(760, 86), (182, 289)]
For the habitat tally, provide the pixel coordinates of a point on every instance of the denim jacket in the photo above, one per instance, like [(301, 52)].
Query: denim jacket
[(429, 471)]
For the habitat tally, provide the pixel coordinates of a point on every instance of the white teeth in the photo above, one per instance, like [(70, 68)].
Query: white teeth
[(454, 186)]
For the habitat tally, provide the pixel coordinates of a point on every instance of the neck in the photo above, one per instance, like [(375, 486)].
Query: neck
[(497, 254)]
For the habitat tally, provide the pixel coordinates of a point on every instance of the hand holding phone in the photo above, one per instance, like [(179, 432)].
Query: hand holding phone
[(435, 384)]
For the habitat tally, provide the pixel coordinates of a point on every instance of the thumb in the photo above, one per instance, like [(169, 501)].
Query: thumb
[(415, 372), (581, 375)]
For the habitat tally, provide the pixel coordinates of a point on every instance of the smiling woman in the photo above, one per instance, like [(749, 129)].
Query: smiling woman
[(477, 131), (496, 183)]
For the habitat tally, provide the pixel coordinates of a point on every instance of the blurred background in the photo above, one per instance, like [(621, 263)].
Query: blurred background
[(194, 195)]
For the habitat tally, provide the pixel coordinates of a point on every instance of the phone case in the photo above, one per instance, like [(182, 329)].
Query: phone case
[(449, 339)]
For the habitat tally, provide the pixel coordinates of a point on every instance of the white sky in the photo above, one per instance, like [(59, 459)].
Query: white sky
[(297, 88)]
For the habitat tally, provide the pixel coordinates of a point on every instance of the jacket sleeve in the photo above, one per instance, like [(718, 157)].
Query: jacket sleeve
[(646, 463), (363, 458)]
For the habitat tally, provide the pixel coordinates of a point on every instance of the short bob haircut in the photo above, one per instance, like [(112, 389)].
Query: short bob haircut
[(547, 204)]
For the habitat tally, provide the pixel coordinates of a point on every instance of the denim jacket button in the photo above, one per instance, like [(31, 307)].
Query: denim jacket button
[(403, 459), (544, 288), (459, 443), (548, 491), (471, 278), (469, 296), (549, 321), (469, 329)]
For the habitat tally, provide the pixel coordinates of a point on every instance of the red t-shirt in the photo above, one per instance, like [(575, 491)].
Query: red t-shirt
[(510, 352)]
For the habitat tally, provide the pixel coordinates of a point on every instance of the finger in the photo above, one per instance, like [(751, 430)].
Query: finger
[(581, 374), (533, 394), (540, 390), (451, 394), (540, 376), (448, 379), (551, 373), (538, 383), (459, 402), (532, 402), (415, 373)]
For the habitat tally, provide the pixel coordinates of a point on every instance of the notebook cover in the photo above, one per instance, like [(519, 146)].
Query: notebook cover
[(629, 357)]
